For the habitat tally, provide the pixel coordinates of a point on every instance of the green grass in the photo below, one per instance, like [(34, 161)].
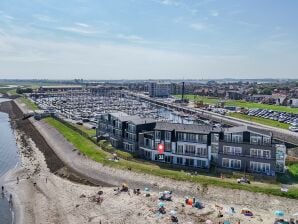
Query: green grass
[(241, 103), (260, 120), (29, 104), (205, 99), (88, 131), (94, 152), (293, 170)]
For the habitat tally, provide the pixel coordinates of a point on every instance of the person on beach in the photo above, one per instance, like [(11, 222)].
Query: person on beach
[(18, 180), (2, 188)]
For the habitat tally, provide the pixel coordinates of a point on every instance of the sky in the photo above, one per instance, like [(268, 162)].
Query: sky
[(148, 39)]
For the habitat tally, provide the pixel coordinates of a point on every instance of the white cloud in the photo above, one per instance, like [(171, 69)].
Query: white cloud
[(77, 30), (132, 38), (82, 25), (44, 18), (198, 26)]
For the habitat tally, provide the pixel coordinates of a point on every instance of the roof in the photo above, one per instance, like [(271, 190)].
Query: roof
[(249, 129), (139, 120), (191, 128), (124, 116)]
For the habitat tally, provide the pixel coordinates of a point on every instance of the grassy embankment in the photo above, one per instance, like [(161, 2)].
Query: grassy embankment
[(29, 104), (94, 152)]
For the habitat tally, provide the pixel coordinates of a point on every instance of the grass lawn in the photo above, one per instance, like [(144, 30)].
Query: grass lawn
[(29, 104), (205, 99), (241, 103), (293, 170), (88, 131), (94, 152), (260, 120)]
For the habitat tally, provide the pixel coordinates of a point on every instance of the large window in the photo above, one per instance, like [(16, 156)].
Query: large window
[(168, 136), (157, 135), (180, 149), (180, 160), (202, 138), (231, 163), (237, 138), (260, 167), (131, 128), (201, 163), (260, 153), (231, 150), (180, 136), (256, 139), (168, 146), (189, 162), (228, 137), (202, 151), (190, 150), (191, 137), (266, 140)]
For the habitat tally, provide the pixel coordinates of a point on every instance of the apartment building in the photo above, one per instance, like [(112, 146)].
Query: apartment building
[(122, 129), (159, 89), (185, 144), (249, 150)]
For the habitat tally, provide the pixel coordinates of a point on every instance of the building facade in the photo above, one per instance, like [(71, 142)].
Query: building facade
[(159, 89), (242, 149), (185, 144), (248, 150)]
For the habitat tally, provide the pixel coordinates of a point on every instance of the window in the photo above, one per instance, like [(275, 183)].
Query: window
[(168, 159), (267, 140), (227, 137), (180, 160), (189, 162), (202, 138), (260, 153), (225, 162), (260, 167), (237, 138), (231, 163), (180, 136), (168, 146), (201, 163), (180, 149), (255, 139), (190, 150), (168, 136), (231, 150), (191, 137), (157, 135), (131, 128), (202, 151)]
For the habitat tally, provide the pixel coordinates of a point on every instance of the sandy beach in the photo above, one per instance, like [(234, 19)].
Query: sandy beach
[(45, 193)]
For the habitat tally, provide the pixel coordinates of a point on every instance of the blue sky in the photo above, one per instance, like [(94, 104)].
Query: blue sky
[(142, 39)]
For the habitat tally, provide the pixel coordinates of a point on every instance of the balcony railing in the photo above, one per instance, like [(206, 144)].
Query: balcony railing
[(247, 155)]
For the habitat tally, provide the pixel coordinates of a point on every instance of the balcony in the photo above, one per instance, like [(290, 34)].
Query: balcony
[(246, 155)]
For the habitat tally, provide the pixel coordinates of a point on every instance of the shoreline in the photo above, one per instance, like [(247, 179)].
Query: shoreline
[(262, 205)]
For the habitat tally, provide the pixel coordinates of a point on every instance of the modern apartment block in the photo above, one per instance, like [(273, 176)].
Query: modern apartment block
[(159, 89), (122, 129), (242, 148), (185, 144), (249, 150)]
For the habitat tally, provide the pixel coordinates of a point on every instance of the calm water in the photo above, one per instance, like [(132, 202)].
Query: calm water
[(8, 160)]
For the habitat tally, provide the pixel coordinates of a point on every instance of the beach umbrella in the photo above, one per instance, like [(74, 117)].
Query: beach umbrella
[(161, 204), (146, 189), (173, 213), (226, 222), (209, 222), (279, 213)]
